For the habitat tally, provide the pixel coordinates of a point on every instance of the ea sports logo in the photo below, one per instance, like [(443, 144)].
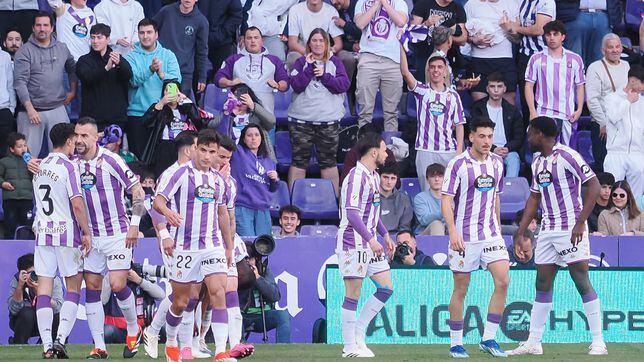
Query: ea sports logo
[(516, 321)]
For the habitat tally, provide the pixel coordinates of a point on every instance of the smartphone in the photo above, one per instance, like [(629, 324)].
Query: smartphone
[(172, 90)]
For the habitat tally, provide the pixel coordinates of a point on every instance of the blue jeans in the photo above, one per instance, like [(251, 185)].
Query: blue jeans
[(512, 163), (279, 320), (585, 35), (251, 222)]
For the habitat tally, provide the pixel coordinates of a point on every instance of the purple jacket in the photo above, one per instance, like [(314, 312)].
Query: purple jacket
[(254, 187)]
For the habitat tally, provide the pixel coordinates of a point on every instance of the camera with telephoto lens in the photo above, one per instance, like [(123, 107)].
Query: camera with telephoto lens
[(401, 252)]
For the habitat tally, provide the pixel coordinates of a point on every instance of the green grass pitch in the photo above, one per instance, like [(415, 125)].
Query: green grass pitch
[(323, 352)]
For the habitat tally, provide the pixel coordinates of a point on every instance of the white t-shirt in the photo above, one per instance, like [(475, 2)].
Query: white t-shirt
[(484, 16), (302, 21), (496, 115), (379, 37), (73, 29)]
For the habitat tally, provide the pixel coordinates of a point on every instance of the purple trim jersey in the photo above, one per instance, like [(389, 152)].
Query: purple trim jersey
[(55, 185), (360, 191), (104, 180), (558, 178), (438, 114), (556, 81), (231, 193), (475, 186), (197, 196)]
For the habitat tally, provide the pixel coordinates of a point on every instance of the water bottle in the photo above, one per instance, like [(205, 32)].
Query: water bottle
[(26, 157)]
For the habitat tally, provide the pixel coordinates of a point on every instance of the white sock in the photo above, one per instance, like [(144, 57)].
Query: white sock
[(206, 320), (67, 316), (593, 314), (373, 305), (348, 318), (455, 332), (159, 319), (171, 328), (96, 322), (235, 324), (491, 326), (540, 311), (220, 329), (186, 329), (125, 300), (44, 318)]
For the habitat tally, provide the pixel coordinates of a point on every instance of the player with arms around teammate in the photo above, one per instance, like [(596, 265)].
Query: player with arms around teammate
[(472, 212), (359, 252), (202, 248), (61, 226), (559, 172)]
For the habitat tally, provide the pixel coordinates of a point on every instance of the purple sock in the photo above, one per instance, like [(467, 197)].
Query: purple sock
[(124, 293), (232, 299), (92, 296), (43, 301)]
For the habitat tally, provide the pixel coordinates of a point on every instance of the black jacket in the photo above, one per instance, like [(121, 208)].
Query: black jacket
[(352, 33), (512, 123), (104, 93), (224, 17), (264, 285)]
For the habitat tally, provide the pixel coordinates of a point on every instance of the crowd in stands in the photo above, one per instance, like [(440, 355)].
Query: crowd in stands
[(295, 83)]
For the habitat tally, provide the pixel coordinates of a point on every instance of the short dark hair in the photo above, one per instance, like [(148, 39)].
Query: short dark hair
[(496, 77), (434, 169), (60, 133), (481, 122), (184, 139), (147, 22), (14, 137), (605, 178), (253, 28), (545, 125), (367, 142), (555, 26), (389, 168), (207, 136), (44, 14), (25, 261), (368, 128), (101, 29), (406, 231), (290, 209), (9, 30), (636, 71), (227, 143), (86, 120)]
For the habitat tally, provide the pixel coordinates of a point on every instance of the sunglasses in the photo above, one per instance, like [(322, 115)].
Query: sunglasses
[(621, 196)]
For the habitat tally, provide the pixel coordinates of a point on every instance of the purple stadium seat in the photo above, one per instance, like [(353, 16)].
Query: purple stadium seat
[(377, 115), (283, 151), (584, 146), (412, 113), (316, 199), (214, 98), (282, 101), (319, 230), (348, 119), (387, 135), (279, 198), (410, 185), (515, 193), (467, 101)]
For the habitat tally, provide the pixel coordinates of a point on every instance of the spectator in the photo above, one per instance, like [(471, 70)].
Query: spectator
[(22, 299), (345, 21), (73, 24), (509, 133), (11, 42), (240, 109), (224, 17), (39, 68), (427, 204), (395, 207), (257, 68), (594, 20), (379, 67), (432, 13), (606, 181), (352, 157), (171, 115), (491, 44), (559, 76), (270, 17), (604, 76), (146, 294), (151, 65), (122, 16), (623, 217), (442, 42), (265, 288), (256, 177), (533, 226), (439, 113), (289, 219), (18, 14), (112, 139), (413, 256), (625, 132), (534, 14), (105, 75), (319, 82), (183, 29), (526, 249), (7, 99), (15, 180)]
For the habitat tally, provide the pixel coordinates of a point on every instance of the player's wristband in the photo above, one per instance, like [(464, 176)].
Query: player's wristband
[(164, 234), (135, 220)]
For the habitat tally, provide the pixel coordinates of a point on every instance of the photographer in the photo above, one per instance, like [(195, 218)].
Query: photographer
[(407, 252), (249, 300), (22, 301), (146, 293)]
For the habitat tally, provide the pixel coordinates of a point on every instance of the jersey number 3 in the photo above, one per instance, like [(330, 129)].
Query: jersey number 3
[(48, 203)]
